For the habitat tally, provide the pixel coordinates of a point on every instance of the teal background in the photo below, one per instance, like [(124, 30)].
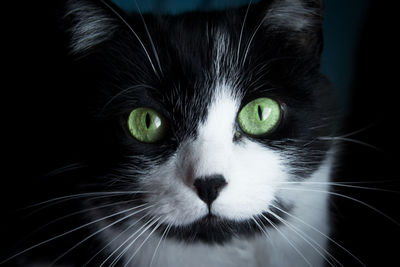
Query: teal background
[(343, 25)]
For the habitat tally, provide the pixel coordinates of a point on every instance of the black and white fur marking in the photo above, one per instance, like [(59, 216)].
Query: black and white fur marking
[(199, 69)]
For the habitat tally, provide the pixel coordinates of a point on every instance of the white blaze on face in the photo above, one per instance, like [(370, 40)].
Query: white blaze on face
[(251, 170)]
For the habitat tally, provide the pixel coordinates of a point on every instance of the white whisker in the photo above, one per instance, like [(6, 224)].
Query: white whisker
[(346, 184), (66, 168), (347, 197), (134, 33), (123, 92), (164, 234), (75, 196), (99, 231), (338, 138), (370, 182), (67, 233), (321, 233), (251, 40), (81, 211), (149, 224), (261, 228), (115, 238), (308, 240), (127, 240), (357, 131), (241, 30), (150, 39), (144, 241), (287, 239)]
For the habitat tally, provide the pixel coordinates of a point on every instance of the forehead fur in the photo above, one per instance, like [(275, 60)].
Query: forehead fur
[(197, 53), (93, 22)]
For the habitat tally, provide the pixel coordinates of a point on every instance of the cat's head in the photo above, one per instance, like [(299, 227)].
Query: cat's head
[(204, 115)]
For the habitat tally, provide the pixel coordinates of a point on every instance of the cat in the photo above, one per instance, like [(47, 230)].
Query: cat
[(203, 140)]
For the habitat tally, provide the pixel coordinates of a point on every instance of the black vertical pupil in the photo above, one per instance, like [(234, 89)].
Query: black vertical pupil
[(148, 120), (259, 112)]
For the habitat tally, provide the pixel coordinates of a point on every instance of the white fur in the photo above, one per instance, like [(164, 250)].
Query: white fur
[(255, 175), (271, 250), (251, 170)]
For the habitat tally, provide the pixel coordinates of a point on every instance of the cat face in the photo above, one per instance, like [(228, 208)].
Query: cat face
[(239, 99)]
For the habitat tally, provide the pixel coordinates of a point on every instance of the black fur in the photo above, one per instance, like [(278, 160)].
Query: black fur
[(115, 76), (213, 230)]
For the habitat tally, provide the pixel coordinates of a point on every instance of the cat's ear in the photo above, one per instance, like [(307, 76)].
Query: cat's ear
[(89, 23), (299, 20)]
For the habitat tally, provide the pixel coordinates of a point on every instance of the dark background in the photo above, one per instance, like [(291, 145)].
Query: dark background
[(43, 127), (373, 104)]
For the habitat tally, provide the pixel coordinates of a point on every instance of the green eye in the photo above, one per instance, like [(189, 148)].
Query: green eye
[(147, 125), (259, 116)]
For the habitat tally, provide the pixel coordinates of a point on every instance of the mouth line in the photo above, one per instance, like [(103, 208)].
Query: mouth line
[(216, 229), (210, 218)]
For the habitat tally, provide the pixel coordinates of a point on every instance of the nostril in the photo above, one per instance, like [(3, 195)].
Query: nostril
[(208, 187)]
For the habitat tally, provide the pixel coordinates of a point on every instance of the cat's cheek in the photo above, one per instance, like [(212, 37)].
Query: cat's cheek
[(171, 199), (180, 208), (254, 177)]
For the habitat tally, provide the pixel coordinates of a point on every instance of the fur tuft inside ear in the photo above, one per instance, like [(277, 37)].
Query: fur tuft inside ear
[(89, 24), (295, 15), (300, 20)]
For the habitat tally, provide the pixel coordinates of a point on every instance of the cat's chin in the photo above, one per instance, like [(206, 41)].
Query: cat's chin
[(213, 229)]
